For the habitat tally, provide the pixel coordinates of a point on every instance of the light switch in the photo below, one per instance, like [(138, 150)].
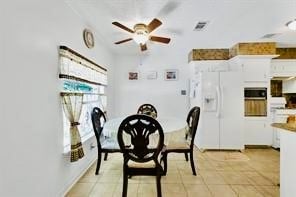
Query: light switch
[(183, 92)]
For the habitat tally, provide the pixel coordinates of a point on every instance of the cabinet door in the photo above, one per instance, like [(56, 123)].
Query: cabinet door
[(258, 132), (289, 66), (273, 69), (289, 86), (276, 138), (283, 68), (276, 68), (255, 71)]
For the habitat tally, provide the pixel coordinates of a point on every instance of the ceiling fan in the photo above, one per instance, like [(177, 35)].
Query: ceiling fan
[(141, 33)]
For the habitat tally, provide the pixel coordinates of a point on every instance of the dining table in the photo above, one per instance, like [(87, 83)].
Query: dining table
[(174, 129)]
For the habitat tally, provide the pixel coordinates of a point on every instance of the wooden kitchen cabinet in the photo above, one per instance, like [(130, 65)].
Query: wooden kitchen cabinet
[(276, 88)]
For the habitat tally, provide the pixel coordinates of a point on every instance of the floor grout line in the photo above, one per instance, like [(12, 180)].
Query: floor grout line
[(227, 171)]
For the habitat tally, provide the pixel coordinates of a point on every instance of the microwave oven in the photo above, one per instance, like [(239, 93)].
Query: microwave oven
[(256, 93)]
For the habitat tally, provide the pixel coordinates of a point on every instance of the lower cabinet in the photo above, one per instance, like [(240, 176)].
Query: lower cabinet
[(287, 163), (258, 131)]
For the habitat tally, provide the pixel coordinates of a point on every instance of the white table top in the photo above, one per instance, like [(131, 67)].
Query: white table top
[(168, 125)]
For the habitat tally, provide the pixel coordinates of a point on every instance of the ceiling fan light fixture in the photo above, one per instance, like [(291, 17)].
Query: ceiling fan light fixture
[(140, 38), (141, 34), (292, 25)]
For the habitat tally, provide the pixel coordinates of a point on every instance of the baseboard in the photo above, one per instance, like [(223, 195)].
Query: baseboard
[(78, 177), (257, 146), (277, 149), (222, 150)]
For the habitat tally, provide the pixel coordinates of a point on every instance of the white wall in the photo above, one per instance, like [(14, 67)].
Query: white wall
[(164, 95), (32, 163)]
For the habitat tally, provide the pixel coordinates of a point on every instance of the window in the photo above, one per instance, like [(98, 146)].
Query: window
[(79, 74)]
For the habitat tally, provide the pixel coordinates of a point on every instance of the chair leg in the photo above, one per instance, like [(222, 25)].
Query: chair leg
[(158, 185), (125, 182), (165, 163), (192, 163), (186, 156), (105, 157), (98, 162)]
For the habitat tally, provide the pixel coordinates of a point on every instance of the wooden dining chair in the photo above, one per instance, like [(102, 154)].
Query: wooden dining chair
[(187, 145), (105, 144), (147, 109), (141, 140)]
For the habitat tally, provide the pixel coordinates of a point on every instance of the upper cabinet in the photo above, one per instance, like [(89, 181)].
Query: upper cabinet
[(289, 86), (255, 70), (255, 59), (283, 68)]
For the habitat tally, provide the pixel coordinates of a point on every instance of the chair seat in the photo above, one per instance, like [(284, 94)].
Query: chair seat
[(149, 164), (109, 143), (186, 144), (178, 145)]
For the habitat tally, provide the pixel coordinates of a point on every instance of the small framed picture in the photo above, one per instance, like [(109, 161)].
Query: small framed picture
[(171, 75), (133, 75), (152, 75)]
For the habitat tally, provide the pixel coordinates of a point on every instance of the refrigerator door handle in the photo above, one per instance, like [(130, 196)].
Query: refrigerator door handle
[(218, 101), (221, 99)]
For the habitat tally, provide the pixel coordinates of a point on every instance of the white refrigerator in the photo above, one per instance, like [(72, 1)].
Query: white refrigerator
[(221, 98)]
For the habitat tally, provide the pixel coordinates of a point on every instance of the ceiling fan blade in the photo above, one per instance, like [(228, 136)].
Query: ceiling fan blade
[(122, 41), (122, 27), (143, 47), (153, 25), (160, 39)]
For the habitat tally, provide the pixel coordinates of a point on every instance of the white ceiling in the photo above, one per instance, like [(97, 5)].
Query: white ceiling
[(231, 21)]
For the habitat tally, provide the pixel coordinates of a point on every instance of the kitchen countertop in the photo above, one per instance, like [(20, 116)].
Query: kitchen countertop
[(287, 126), (288, 109)]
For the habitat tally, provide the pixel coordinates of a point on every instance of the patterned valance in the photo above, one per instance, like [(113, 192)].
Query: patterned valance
[(77, 67)]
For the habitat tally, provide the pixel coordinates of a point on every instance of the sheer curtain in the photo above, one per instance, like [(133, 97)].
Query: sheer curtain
[(72, 104)]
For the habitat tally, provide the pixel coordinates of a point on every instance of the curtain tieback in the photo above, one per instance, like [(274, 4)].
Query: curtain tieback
[(74, 124)]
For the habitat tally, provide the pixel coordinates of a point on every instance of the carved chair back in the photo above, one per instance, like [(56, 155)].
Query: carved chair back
[(148, 109), (140, 138)]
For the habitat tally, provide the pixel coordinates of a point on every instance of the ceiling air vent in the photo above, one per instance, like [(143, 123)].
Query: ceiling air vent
[(201, 25), (269, 35)]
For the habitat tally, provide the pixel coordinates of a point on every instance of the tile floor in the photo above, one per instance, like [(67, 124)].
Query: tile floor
[(257, 176)]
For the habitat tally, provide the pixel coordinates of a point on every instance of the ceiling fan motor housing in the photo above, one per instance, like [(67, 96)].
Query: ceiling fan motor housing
[(141, 27), (141, 33)]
